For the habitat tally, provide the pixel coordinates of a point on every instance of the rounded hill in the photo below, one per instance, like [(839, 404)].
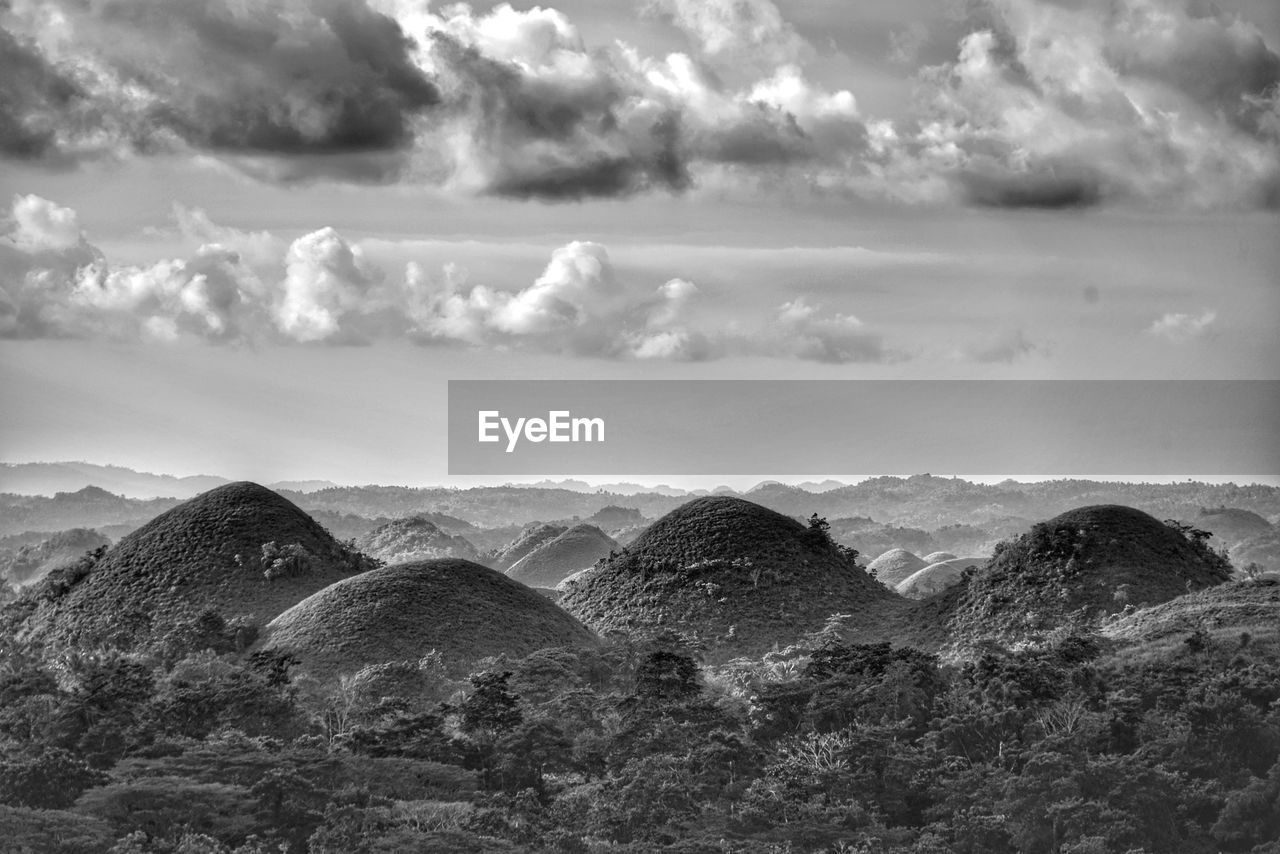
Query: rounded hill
[(737, 576), (461, 609), (936, 578), (533, 535), (1080, 566), (239, 549), (414, 538), (572, 551), (894, 566)]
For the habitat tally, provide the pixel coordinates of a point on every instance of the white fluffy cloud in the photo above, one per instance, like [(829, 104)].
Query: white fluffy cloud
[(1180, 327), (323, 289)]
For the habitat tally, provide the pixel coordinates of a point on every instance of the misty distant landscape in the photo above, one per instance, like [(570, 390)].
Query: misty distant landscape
[(916, 664)]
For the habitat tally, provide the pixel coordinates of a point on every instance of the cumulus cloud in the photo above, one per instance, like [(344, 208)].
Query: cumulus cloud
[(1005, 347), (806, 332), (577, 305), (1057, 105), (1180, 327), (753, 31), (321, 289)]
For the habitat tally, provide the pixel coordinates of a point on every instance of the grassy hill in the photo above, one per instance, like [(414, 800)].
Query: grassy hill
[(554, 560), (737, 576), (1079, 566), (414, 538), (530, 538), (936, 577), (894, 566), (460, 609), (240, 549)]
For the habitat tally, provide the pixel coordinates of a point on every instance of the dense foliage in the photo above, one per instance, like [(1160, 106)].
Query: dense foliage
[(1077, 747)]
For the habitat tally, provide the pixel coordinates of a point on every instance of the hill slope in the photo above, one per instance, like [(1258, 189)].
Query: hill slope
[(894, 566), (530, 538), (738, 576), (936, 577), (572, 551), (240, 549), (31, 563), (414, 538), (461, 609), (1252, 606), (1081, 565)]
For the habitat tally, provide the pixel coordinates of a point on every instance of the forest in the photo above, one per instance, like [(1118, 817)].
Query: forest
[(196, 744)]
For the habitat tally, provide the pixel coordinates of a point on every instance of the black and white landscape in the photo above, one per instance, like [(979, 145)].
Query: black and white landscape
[(246, 608)]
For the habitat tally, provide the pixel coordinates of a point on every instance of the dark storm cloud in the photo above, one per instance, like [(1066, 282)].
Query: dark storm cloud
[(281, 78), (1022, 103), (33, 97)]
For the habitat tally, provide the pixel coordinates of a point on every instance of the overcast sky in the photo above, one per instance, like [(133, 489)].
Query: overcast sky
[(257, 239)]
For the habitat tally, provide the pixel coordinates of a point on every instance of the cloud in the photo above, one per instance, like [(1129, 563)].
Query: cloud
[(1051, 104), (806, 332), (1028, 103), (1006, 347), (753, 31), (327, 285), (287, 77), (1180, 327), (321, 289)]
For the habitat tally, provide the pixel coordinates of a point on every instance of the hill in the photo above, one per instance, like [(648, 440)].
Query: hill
[(462, 610), (414, 538), (1078, 567), (1231, 525), (1225, 610), (30, 563), (554, 560), (240, 549), (530, 538), (936, 577), (736, 576), (894, 566)]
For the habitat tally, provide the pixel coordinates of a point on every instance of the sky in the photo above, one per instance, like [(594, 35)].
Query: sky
[(257, 240)]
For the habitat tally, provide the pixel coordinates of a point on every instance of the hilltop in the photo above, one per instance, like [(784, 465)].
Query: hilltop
[(460, 609), (240, 550), (569, 552), (414, 538), (737, 576), (1079, 566)]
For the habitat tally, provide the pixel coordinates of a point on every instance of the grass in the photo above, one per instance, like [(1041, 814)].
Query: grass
[(554, 560), (461, 609)]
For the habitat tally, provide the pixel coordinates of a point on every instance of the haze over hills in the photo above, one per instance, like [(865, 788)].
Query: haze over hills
[(30, 563), (530, 537), (460, 609), (736, 575), (239, 549)]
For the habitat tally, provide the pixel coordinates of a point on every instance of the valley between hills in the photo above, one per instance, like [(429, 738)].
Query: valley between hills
[(910, 665)]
